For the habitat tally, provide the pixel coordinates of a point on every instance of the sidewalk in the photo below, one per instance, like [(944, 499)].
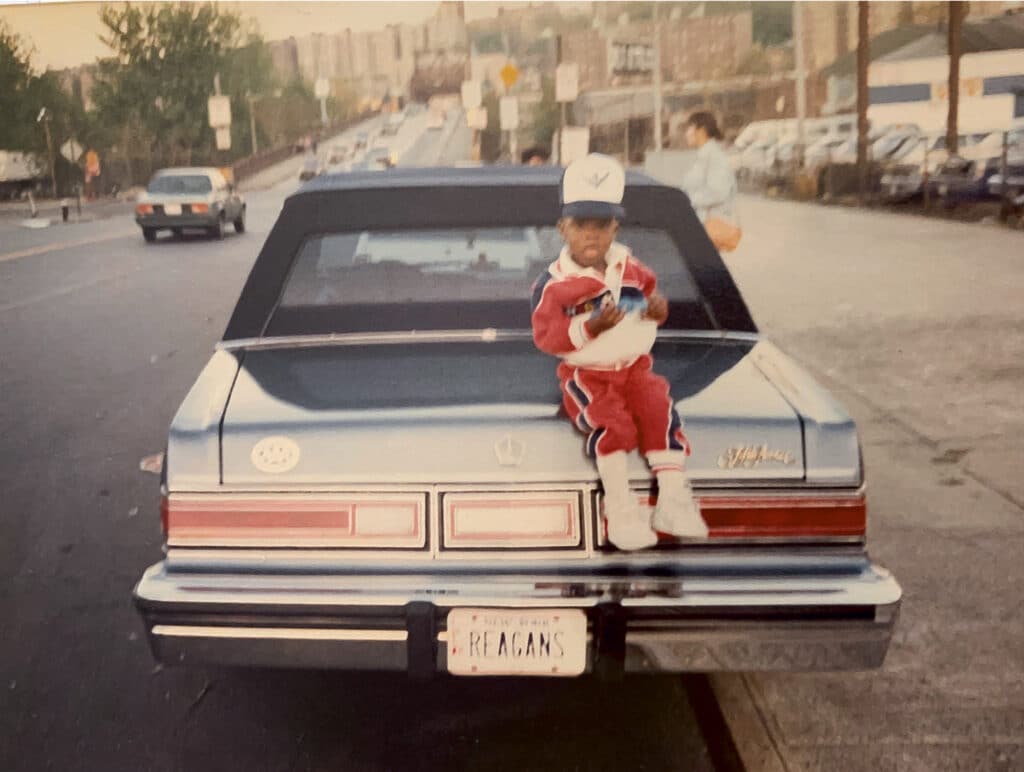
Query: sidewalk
[(916, 326)]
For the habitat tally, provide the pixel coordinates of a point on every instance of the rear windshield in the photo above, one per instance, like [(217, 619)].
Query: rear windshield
[(482, 277), (180, 183)]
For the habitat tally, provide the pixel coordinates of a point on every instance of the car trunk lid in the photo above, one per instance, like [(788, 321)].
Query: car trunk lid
[(470, 413)]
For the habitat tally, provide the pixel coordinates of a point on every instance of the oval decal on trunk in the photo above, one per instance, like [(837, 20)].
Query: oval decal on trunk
[(275, 455)]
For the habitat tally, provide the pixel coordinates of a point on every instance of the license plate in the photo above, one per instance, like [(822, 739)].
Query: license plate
[(542, 642), (172, 208)]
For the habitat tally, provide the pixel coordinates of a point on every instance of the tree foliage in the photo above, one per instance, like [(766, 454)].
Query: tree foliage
[(155, 86), (23, 94)]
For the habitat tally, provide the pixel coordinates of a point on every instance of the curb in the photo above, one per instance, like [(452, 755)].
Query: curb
[(745, 717)]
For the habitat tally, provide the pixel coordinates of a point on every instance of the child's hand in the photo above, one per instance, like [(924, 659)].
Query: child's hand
[(657, 308), (609, 316)]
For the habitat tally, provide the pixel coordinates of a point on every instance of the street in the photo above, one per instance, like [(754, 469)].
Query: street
[(102, 337), (915, 325)]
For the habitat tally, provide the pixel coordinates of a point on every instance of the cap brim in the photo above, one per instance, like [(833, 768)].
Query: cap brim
[(597, 210)]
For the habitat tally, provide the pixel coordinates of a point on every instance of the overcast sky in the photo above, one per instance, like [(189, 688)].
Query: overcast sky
[(66, 34)]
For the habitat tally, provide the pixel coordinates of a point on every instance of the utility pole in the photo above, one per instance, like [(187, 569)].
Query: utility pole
[(863, 60), (657, 82), (252, 122), (561, 125), (956, 17), (801, 80), (44, 118)]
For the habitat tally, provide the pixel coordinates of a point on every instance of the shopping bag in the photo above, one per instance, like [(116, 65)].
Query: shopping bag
[(723, 234)]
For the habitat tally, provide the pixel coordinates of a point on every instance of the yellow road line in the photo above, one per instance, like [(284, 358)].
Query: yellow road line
[(42, 249)]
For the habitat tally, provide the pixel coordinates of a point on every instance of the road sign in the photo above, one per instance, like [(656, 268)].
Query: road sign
[(567, 82), (575, 143), (71, 150), (508, 111), (472, 95), (509, 75), (476, 118), (219, 108), (322, 88), (224, 138)]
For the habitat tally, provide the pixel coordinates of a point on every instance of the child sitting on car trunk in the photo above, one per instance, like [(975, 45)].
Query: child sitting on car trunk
[(597, 308)]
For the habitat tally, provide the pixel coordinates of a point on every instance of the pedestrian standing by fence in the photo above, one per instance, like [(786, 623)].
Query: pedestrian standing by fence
[(710, 182)]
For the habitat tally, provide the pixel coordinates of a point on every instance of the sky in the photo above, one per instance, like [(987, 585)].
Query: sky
[(66, 34)]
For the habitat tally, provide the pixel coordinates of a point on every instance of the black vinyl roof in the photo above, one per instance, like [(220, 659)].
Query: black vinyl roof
[(493, 196)]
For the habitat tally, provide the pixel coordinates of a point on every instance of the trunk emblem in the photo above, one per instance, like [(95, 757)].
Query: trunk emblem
[(275, 455), (751, 456), (510, 452)]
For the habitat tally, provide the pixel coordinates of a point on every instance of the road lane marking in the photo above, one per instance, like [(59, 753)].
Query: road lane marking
[(42, 249)]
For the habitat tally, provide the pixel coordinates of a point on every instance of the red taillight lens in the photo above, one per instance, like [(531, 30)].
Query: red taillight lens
[(144, 209), (200, 208), (803, 516), (771, 516), (396, 520)]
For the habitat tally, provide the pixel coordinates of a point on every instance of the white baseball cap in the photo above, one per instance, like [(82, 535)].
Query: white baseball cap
[(592, 187)]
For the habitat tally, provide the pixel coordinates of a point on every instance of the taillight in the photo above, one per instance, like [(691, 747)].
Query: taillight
[(200, 208), (522, 520), (804, 516), (778, 516), (144, 209), (324, 520)]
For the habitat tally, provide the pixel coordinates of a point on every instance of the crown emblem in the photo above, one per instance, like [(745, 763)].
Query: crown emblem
[(510, 452)]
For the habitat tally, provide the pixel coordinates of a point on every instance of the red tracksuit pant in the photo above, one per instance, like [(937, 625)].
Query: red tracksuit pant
[(622, 409)]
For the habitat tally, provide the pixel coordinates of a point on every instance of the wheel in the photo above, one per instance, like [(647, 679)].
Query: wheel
[(149, 234), (217, 231), (240, 222)]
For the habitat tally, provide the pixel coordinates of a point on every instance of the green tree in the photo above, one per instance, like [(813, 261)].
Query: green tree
[(548, 114), (23, 94), (248, 70), (154, 88)]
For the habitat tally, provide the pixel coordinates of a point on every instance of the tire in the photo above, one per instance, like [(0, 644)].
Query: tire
[(149, 234), (217, 231), (239, 222)]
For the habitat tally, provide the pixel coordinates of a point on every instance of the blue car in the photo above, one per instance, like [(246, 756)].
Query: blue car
[(373, 470)]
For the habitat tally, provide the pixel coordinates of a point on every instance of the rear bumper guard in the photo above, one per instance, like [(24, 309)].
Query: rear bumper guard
[(702, 624)]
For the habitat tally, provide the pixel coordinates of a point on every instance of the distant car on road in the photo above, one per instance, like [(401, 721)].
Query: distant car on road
[(189, 198), (339, 154), (372, 471), (381, 157), (311, 167)]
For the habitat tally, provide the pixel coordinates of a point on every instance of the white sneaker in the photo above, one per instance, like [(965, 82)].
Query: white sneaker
[(629, 526), (678, 514)]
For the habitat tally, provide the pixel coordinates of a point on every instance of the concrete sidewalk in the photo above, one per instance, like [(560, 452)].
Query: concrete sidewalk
[(917, 327)]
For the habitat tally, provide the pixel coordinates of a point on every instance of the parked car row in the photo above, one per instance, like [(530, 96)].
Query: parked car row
[(906, 161)]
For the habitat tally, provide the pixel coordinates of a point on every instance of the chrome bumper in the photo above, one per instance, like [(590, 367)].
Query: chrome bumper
[(813, 622)]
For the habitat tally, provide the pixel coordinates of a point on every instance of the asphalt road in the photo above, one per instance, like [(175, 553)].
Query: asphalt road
[(100, 339)]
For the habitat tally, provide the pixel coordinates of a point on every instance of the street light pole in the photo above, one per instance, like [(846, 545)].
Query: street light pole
[(44, 118), (252, 122), (801, 80), (657, 82)]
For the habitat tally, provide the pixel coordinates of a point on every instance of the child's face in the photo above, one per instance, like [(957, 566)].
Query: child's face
[(588, 240)]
